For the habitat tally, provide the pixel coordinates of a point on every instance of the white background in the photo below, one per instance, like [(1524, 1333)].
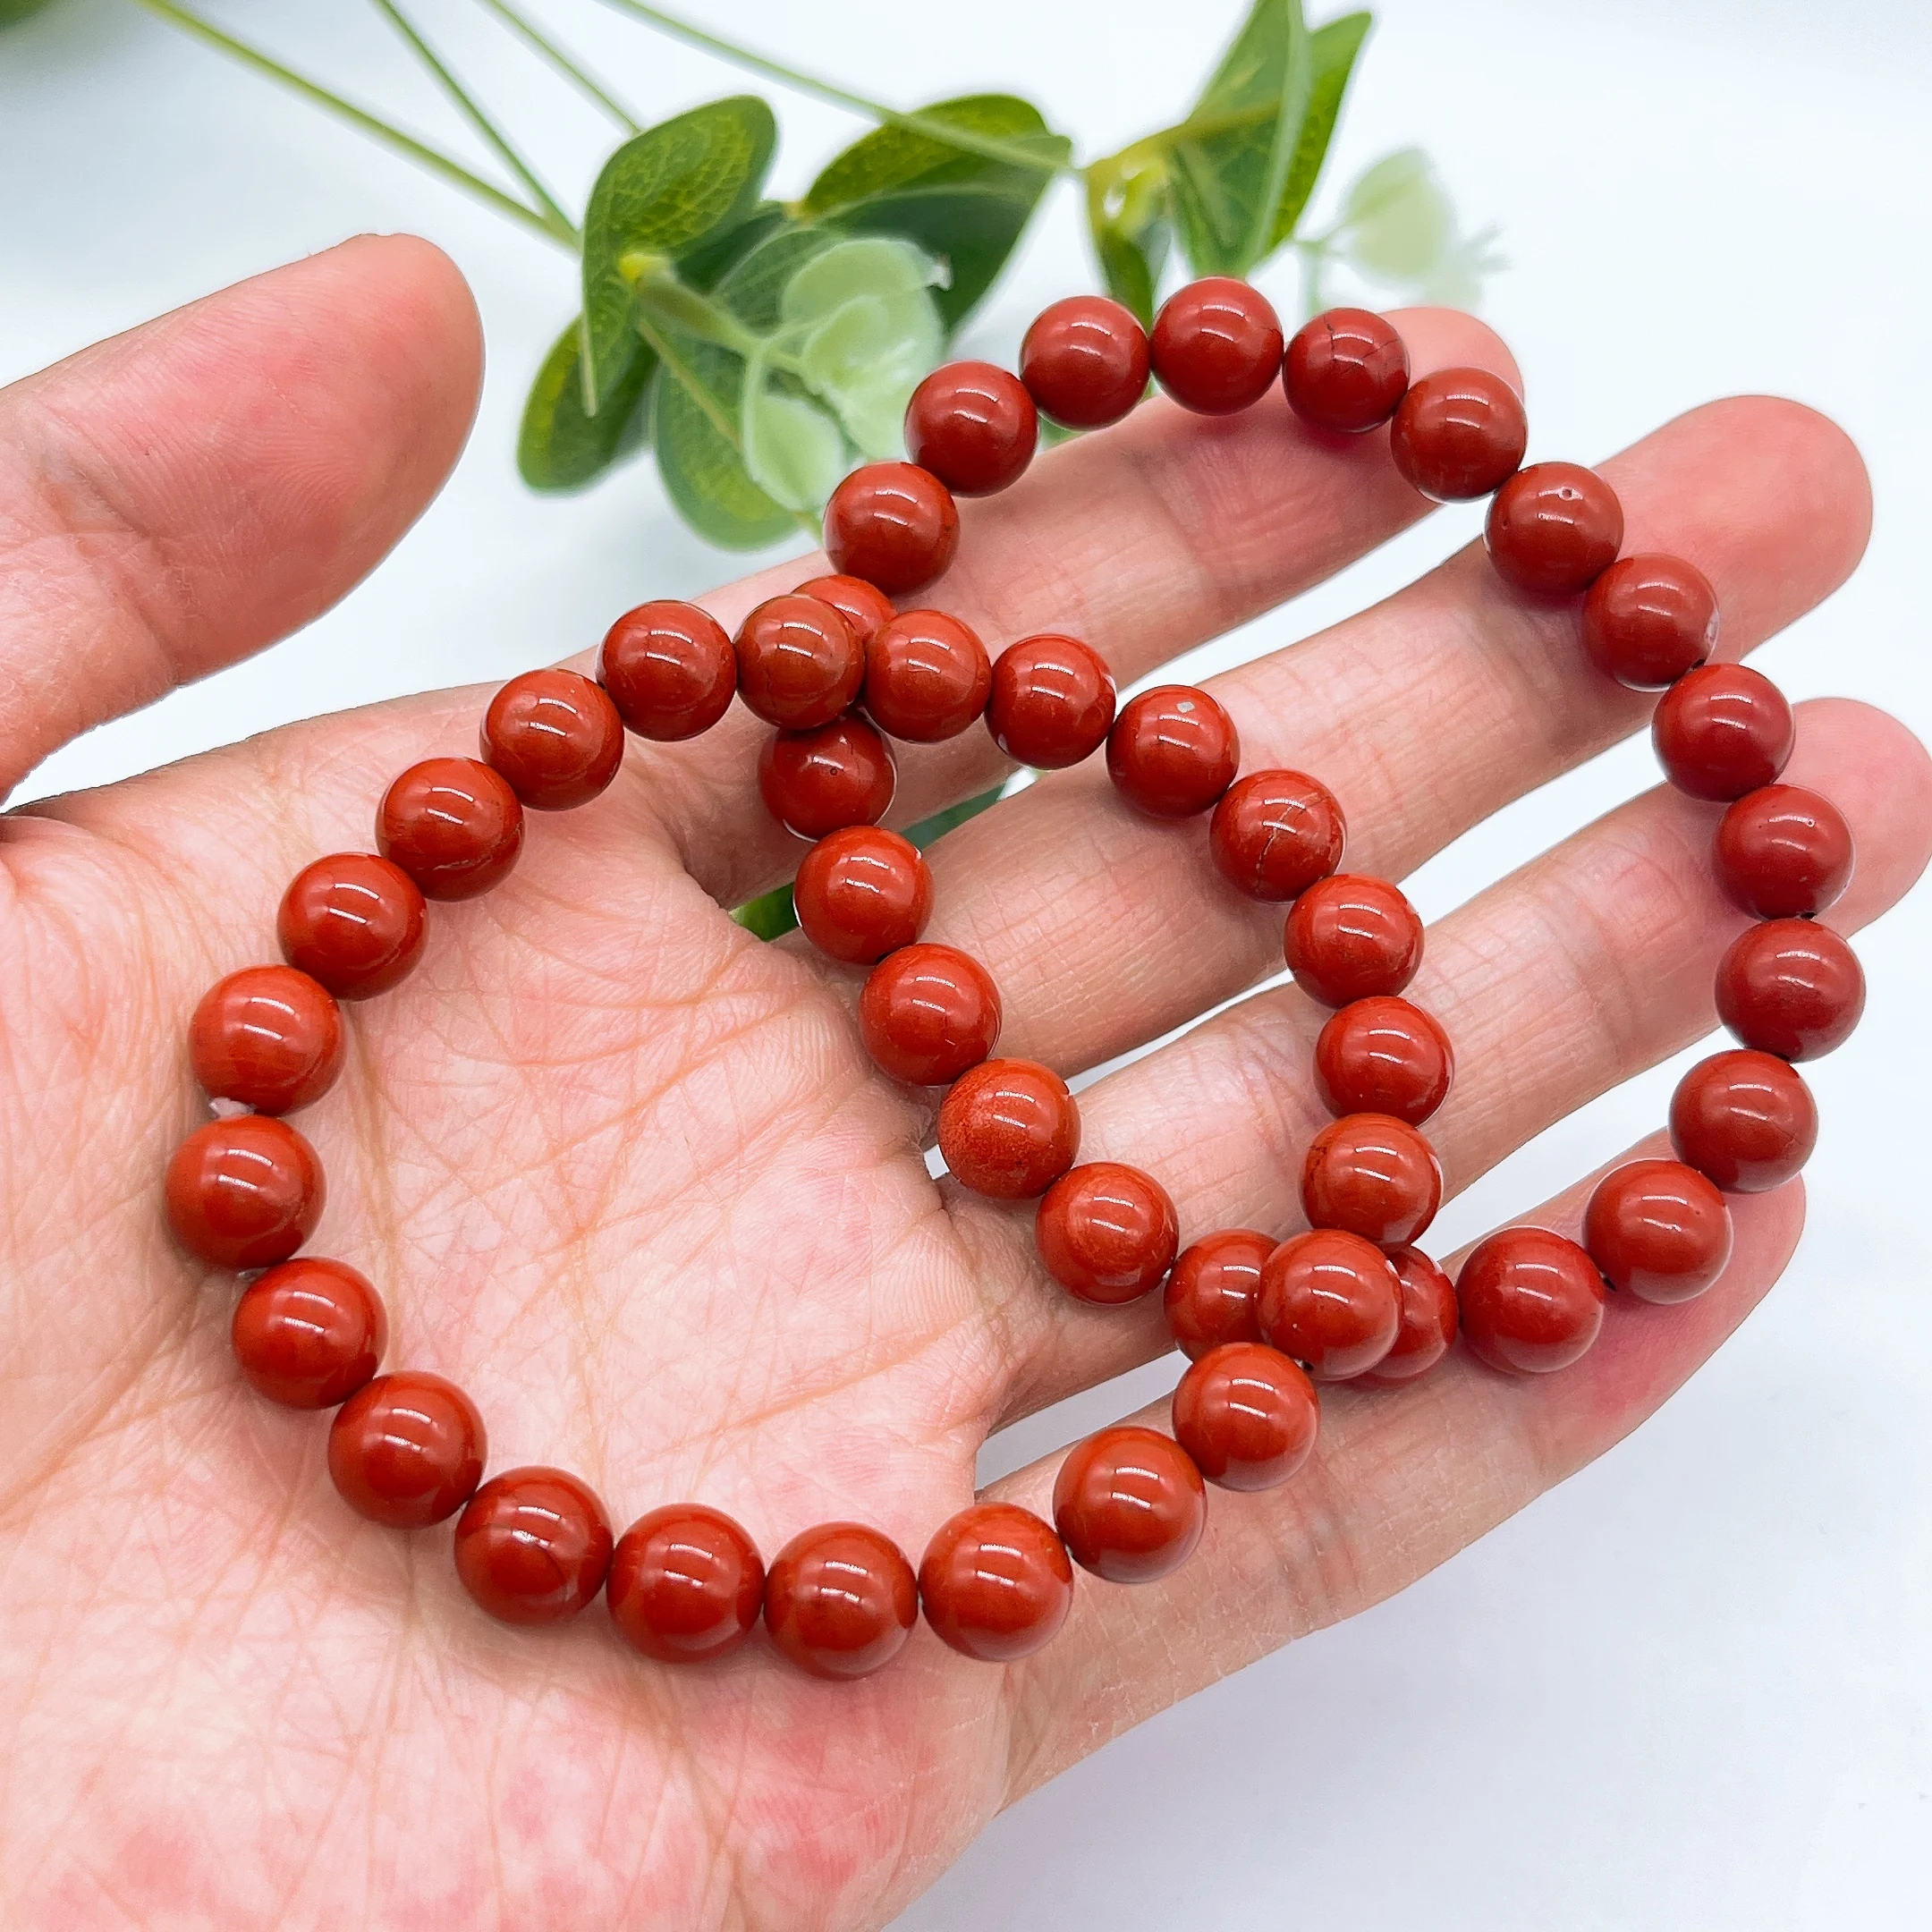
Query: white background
[(1689, 1690)]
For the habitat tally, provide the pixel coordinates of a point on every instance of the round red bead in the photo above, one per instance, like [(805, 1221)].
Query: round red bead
[(821, 780), (1658, 1230), (927, 677), (1247, 1415), (928, 1012), (1106, 1232), (1723, 730), (1790, 987), (974, 426), (1531, 1301), (864, 607), (309, 1333), (1784, 852), (1553, 529), (1214, 1289), (893, 524), (1085, 361), (1373, 1175), (997, 1582), (1331, 1300), (1428, 1320), (862, 893), (1129, 1504), (1745, 1120), (268, 1037), (555, 736), (1384, 1056), (799, 665), (354, 923), (1009, 1128), (1216, 345), (685, 1585), (407, 1450), (1648, 619), (532, 1545), (1352, 938), (1459, 433), (1274, 833), (244, 1192), (669, 668), (1345, 371), (1173, 751), (1051, 702), (840, 1600), (454, 825)]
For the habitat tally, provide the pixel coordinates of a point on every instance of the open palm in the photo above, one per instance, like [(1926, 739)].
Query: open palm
[(626, 1174)]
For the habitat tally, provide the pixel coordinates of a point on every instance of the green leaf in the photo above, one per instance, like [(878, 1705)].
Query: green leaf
[(559, 447), (1332, 50), (967, 209), (660, 194), (704, 266), (1130, 215)]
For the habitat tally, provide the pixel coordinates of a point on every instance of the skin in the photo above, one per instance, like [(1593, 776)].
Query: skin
[(626, 1173)]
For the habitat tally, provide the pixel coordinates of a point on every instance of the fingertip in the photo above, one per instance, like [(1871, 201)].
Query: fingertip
[(1880, 775), (1452, 338)]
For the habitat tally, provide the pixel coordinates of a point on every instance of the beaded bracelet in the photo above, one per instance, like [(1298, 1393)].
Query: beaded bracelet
[(836, 669)]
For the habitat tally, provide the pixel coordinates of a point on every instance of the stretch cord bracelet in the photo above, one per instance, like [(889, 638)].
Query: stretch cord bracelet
[(837, 669)]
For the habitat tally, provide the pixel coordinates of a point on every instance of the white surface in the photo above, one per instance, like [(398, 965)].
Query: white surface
[(1688, 1690)]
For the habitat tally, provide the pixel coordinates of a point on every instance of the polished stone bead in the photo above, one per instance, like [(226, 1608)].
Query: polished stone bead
[(244, 1192), (1428, 1320), (1247, 1415), (893, 524), (974, 426), (686, 1584), (1085, 361), (406, 1449), (928, 1012), (669, 668), (1721, 731), (309, 1333), (1129, 1504), (864, 607), (1553, 529), (532, 1545), (1106, 1232), (1784, 852), (354, 923), (1373, 1175), (555, 736), (1009, 1128), (1658, 1230), (1745, 1120), (1345, 371), (1792, 988), (1384, 1056), (1051, 702), (1459, 433), (1214, 1289), (1331, 1300), (1531, 1301), (268, 1037), (1274, 833), (1216, 345), (454, 825), (820, 781), (840, 1600), (997, 1582), (1352, 938), (1173, 751), (799, 665), (862, 893), (927, 677), (1648, 619)]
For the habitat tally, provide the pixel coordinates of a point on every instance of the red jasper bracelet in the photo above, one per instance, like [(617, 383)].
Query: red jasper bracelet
[(837, 669)]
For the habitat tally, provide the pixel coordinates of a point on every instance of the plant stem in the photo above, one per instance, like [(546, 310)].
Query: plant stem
[(988, 145), (436, 162), (473, 113), (571, 69)]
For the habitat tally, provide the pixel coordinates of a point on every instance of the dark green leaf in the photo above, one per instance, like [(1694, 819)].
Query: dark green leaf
[(660, 194), (721, 250), (559, 447), (1332, 50), (1129, 213), (967, 209)]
